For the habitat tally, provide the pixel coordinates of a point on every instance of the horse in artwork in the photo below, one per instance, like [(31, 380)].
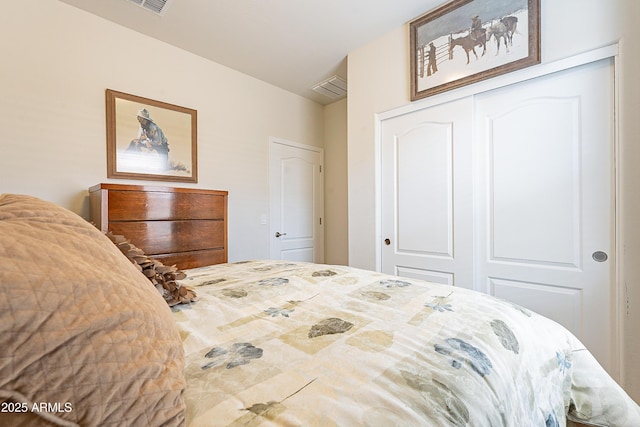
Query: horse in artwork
[(499, 31), (469, 43), (511, 22), (503, 29)]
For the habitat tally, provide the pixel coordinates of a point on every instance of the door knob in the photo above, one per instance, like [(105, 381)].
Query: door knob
[(278, 234), (387, 242), (599, 256)]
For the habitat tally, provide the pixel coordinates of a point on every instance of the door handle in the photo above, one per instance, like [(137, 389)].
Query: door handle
[(599, 256), (278, 234), (387, 242)]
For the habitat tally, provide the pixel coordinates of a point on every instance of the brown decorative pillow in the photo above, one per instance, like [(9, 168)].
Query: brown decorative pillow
[(162, 277), (85, 340)]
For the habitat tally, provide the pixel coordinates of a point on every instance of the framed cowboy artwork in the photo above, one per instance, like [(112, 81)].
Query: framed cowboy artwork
[(150, 140), (466, 41)]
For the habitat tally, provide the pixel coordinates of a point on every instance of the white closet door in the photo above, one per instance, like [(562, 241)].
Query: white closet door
[(511, 192), (544, 199), (427, 194)]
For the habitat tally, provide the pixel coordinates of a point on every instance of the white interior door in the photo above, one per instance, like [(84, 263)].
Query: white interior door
[(511, 192), (296, 202), (544, 198), (427, 194)]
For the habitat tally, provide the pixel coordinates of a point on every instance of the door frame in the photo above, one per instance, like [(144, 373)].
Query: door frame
[(606, 52), (319, 243)]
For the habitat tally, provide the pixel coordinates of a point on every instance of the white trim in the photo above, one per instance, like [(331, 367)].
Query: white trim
[(282, 141), (505, 80), (378, 192), (620, 294)]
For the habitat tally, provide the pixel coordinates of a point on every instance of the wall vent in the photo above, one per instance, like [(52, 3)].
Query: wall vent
[(334, 87), (156, 6)]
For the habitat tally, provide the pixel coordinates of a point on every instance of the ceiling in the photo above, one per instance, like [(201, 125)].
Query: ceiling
[(292, 44)]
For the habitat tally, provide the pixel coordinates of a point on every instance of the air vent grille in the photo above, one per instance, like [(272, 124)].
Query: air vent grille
[(155, 6), (334, 87)]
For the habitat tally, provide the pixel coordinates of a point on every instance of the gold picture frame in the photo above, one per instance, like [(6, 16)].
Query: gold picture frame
[(150, 140), (467, 41)]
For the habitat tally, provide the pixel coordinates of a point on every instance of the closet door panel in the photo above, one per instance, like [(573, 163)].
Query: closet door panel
[(534, 181), (424, 173), (427, 194), (544, 204)]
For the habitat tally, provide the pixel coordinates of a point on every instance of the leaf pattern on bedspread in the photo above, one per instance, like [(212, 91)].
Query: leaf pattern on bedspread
[(275, 312), (329, 326), (212, 282), (273, 281), (461, 351), (563, 362), (439, 304), (234, 293), (394, 283), (286, 309), (323, 273), (552, 421), (377, 296), (263, 269), (265, 408), (238, 354), (456, 409), (272, 267), (441, 397), (507, 338), (272, 408)]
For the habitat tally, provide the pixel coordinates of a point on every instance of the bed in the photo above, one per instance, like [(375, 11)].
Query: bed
[(87, 340)]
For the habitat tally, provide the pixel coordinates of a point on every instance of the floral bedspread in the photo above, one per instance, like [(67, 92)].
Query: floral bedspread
[(298, 344)]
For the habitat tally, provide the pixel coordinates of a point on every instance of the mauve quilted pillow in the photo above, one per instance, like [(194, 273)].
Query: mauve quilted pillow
[(85, 339)]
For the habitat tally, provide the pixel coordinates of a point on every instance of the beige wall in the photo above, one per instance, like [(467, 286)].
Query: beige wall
[(629, 114), (379, 81), (336, 247), (57, 62)]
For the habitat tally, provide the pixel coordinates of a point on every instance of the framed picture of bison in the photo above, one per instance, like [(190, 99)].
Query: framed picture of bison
[(150, 140), (466, 41)]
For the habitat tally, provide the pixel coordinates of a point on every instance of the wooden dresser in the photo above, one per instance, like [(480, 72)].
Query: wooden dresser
[(182, 226)]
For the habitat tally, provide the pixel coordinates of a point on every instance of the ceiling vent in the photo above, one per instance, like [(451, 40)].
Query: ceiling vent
[(155, 6), (334, 87)]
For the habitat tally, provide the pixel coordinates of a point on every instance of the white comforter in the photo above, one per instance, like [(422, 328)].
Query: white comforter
[(280, 343)]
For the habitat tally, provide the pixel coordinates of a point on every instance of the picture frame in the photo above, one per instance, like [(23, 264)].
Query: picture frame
[(467, 41), (150, 140)]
